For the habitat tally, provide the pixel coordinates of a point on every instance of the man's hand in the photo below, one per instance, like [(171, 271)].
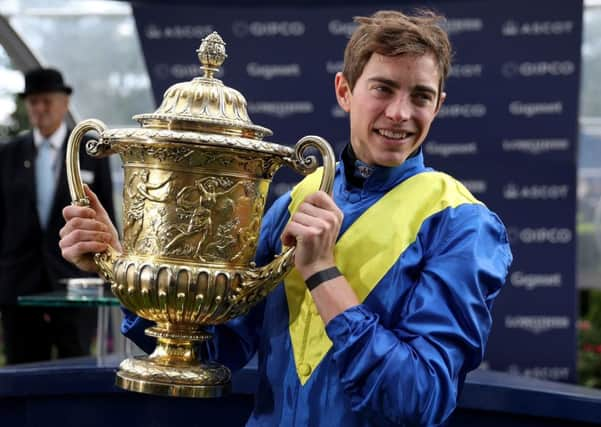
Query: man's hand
[(314, 228), (88, 230)]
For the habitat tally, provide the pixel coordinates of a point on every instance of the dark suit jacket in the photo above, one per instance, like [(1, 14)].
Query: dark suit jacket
[(30, 258)]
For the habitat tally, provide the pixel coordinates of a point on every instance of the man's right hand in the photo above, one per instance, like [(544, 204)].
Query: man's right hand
[(88, 230)]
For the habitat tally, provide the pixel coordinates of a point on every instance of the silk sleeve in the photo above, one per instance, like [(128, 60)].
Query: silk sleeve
[(411, 371), (133, 328)]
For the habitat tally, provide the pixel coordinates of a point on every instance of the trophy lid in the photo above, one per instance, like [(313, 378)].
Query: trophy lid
[(205, 104)]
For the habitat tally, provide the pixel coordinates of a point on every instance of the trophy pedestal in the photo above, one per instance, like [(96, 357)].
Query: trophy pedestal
[(144, 375), (173, 368)]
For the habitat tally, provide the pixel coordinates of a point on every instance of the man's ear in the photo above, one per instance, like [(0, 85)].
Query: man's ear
[(343, 92), (443, 96)]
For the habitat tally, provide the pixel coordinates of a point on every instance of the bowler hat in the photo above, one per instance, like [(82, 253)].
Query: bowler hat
[(43, 80)]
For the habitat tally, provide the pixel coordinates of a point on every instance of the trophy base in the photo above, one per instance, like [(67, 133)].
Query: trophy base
[(202, 380)]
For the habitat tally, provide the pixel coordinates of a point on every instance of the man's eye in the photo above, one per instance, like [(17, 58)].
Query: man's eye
[(423, 97), (383, 89)]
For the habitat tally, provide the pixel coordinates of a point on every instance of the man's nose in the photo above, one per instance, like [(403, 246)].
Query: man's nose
[(399, 109), (38, 107)]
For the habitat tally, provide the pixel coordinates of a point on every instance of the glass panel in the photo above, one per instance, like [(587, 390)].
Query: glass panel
[(589, 204), (63, 298), (589, 201), (95, 45), (589, 161), (12, 114), (590, 105)]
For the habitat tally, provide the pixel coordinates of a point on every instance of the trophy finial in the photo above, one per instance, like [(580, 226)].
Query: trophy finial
[(211, 54), (204, 104)]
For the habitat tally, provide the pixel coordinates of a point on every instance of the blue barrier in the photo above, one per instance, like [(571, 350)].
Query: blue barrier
[(79, 393)]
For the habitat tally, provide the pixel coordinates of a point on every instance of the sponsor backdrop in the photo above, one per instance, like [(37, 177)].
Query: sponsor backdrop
[(508, 130)]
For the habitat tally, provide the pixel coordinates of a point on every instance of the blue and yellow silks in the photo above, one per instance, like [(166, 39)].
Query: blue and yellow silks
[(365, 252)]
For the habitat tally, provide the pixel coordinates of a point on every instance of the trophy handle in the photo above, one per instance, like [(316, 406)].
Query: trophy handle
[(261, 281), (103, 260), (306, 165)]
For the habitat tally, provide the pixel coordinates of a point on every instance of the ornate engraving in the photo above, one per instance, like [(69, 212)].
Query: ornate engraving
[(214, 295), (98, 148), (139, 152), (206, 374), (140, 136), (175, 155), (138, 191), (193, 206), (105, 262)]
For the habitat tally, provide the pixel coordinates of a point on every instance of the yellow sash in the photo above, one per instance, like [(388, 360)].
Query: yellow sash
[(365, 252)]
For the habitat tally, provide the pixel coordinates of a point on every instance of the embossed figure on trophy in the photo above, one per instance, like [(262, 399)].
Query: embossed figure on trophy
[(225, 244), (138, 190), (247, 235), (195, 204), (209, 187), (155, 239), (190, 236)]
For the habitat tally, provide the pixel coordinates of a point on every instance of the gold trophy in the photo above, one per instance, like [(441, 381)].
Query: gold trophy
[(197, 174)]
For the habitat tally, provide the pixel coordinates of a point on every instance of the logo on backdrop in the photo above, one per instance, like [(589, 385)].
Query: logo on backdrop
[(531, 109), (555, 373), (551, 235), (280, 109), (463, 25), (475, 186), (181, 71), (268, 28), (333, 67), (270, 71), (466, 111), (538, 69), (535, 192), (537, 324), (466, 71), (536, 28), (196, 32), (532, 281), (341, 28), (337, 112), (445, 150), (536, 146)]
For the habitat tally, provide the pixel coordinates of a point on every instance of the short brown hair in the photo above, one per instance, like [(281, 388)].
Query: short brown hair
[(392, 33)]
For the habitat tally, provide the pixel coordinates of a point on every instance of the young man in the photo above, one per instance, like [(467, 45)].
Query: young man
[(389, 304), (33, 190)]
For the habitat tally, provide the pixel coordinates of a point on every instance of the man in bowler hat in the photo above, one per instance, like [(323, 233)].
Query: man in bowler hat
[(33, 191)]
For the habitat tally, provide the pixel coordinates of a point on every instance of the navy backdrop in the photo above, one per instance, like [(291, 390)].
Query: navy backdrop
[(507, 130)]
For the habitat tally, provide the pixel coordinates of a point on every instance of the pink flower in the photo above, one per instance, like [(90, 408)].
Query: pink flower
[(584, 325)]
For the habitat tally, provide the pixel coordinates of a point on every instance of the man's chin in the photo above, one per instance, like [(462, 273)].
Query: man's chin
[(391, 161)]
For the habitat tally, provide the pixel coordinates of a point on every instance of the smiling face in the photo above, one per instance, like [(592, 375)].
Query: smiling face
[(391, 106)]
